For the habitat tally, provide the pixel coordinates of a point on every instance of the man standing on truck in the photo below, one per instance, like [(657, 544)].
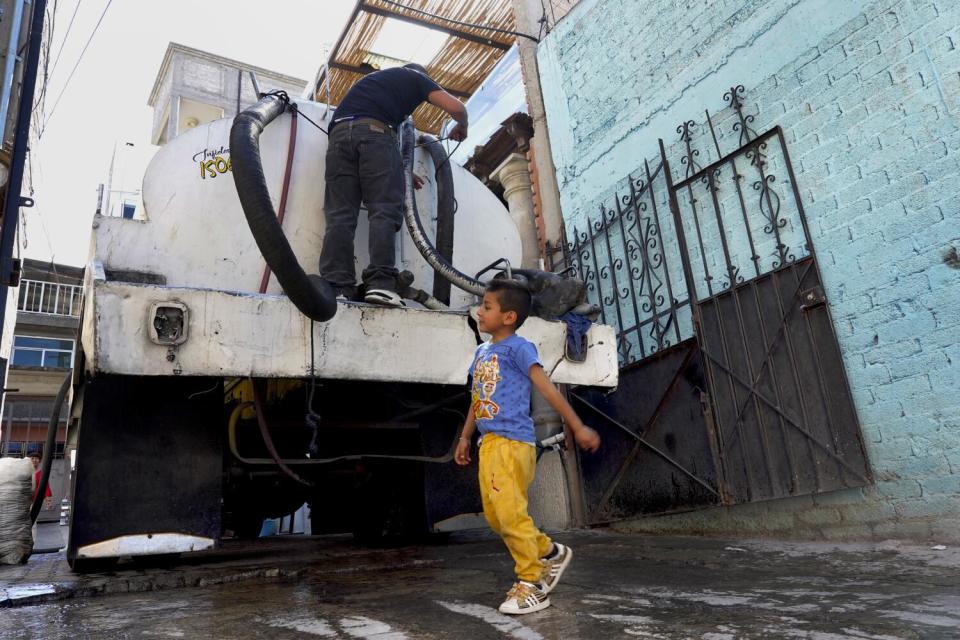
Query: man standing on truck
[(364, 165)]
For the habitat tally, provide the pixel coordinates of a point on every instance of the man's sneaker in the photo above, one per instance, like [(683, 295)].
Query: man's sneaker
[(384, 298), (524, 597), (345, 294), (554, 567)]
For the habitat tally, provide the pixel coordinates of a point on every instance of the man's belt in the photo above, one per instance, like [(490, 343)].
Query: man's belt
[(364, 120)]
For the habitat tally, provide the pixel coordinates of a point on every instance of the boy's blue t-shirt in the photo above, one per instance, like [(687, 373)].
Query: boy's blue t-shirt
[(500, 394)]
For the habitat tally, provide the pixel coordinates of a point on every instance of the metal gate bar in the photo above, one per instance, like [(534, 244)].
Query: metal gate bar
[(630, 273), (782, 395), (737, 338), (758, 308), (811, 333), (640, 440), (708, 177), (754, 257), (692, 170), (655, 301), (732, 276), (781, 326), (796, 425), (726, 471), (628, 461)]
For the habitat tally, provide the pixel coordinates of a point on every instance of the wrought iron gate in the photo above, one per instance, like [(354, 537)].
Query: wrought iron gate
[(733, 388)]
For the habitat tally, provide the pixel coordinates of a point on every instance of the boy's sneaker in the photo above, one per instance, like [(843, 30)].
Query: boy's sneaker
[(554, 567), (523, 598)]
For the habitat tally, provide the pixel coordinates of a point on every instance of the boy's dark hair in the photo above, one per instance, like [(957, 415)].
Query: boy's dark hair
[(512, 296), (417, 67)]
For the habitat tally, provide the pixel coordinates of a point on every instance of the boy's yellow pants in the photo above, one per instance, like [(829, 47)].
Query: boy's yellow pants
[(507, 468)]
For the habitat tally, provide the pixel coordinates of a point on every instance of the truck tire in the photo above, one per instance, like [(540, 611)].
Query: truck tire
[(391, 508)]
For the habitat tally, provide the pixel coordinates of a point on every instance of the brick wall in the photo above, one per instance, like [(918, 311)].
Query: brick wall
[(214, 81), (869, 96), (555, 10), (163, 100)]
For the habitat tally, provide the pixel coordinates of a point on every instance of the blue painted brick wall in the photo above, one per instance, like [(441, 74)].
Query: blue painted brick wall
[(869, 96)]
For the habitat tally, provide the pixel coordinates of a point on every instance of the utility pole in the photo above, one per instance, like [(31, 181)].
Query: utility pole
[(109, 189), (9, 276)]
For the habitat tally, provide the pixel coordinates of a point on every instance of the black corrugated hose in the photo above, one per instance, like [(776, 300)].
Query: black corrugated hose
[(440, 264), (312, 295), (446, 208), (47, 461)]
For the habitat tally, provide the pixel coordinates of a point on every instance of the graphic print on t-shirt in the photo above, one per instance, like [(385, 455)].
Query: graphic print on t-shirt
[(486, 375)]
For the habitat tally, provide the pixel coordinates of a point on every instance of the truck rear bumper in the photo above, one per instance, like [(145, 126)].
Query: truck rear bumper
[(231, 334), (145, 544)]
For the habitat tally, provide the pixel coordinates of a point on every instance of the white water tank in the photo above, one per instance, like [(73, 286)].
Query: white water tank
[(195, 233)]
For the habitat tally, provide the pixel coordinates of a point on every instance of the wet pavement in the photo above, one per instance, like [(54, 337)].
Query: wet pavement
[(618, 586)]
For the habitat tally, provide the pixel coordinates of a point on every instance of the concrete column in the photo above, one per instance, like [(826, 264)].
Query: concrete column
[(514, 174), (528, 14)]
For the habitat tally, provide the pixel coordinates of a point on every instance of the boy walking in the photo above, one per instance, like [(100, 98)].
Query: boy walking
[(504, 371)]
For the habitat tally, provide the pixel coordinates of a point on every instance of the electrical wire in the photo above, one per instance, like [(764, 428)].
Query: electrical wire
[(313, 418), (22, 244), (447, 159), (282, 95), (544, 21), (285, 98), (72, 71), (204, 392), (294, 106), (36, 206), (46, 237), (462, 24), (65, 36), (40, 101)]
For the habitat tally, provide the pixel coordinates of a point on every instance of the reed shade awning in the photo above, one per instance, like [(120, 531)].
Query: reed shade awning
[(460, 66)]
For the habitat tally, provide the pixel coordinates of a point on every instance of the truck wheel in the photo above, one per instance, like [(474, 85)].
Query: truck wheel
[(390, 512), (380, 525), (248, 527)]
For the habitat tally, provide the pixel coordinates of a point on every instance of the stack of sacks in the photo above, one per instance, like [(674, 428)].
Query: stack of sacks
[(16, 490)]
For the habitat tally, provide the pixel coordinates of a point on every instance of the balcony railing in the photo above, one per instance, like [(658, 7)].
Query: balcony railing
[(50, 298)]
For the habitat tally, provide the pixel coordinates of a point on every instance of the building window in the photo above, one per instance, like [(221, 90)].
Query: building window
[(128, 210), (21, 449), (12, 449), (30, 351)]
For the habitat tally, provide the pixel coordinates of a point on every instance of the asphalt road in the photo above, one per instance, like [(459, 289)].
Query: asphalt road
[(618, 586)]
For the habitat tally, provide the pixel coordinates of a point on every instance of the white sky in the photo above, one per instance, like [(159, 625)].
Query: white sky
[(106, 101)]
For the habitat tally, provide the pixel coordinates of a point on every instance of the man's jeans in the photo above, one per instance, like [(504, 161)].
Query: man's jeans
[(363, 164)]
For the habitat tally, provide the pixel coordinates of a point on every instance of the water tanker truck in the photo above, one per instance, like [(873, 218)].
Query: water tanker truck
[(218, 384)]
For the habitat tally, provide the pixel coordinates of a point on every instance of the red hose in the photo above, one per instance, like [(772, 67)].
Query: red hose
[(268, 441), (291, 148), (264, 281)]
